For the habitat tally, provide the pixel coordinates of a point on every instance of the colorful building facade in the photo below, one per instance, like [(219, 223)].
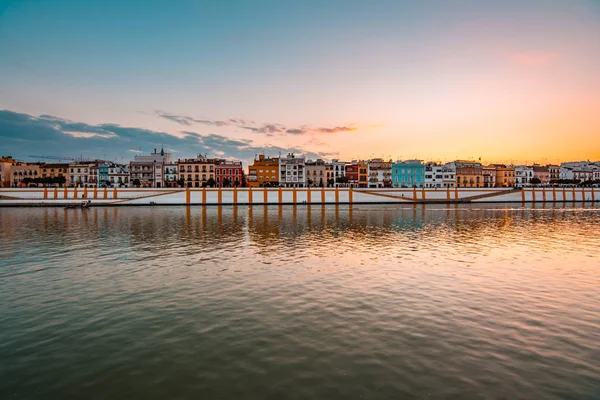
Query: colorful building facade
[(264, 172), (408, 174)]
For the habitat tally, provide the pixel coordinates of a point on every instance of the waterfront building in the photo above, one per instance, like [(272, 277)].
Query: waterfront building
[(21, 171), (197, 172), (363, 174), (439, 176), (93, 174), (505, 176), (542, 173), (57, 171), (318, 173), (584, 174), (380, 173), (488, 173), (339, 172), (292, 171), (264, 172), (351, 173), (6, 164), (118, 175), (566, 173), (523, 175), (171, 175), (469, 174), (148, 171), (79, 175), (554, 171), (408, 174), (228, 173)]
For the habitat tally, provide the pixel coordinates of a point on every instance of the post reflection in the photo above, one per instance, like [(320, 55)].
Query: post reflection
[(159, 228)]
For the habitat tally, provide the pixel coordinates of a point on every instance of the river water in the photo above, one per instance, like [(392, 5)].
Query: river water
[(348, 302)]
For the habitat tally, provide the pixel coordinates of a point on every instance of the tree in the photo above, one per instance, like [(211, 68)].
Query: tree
[(210, 182), (226, 182), (330, 182), (60, 180), (320, 182), (341, 179), (180, 182), (535, 181), (237, 182), (136, 182), (309, 181)]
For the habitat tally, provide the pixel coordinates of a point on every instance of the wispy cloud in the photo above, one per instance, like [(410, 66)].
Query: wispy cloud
[(187, 120), (268, 128)]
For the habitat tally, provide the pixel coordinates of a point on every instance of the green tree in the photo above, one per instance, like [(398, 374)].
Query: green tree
[(60, 180), (320, 182), (136, 182), (226, 182), (180, 182), (535, 181), (210, 182)]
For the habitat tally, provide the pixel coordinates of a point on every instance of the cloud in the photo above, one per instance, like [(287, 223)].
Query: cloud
[(22, 135), (187, 121), (266, 128), (533, 58), (335, 130), (296, 131)]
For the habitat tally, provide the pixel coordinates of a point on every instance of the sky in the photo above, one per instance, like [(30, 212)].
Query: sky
[(509, 81)]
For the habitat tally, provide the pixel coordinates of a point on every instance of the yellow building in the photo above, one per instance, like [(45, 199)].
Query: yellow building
[(55, 170), (505, 176), (197, 172), (264, 172)]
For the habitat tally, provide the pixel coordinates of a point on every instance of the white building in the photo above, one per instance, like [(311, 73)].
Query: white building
[(79, 174), (339, 170), (292, 171), (440, 176), (118, 175), (523, 175), (379, 172), (170, 174), (149, 170)]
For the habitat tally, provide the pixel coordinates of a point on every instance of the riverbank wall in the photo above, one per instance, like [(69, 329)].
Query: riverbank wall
[(283, 196)]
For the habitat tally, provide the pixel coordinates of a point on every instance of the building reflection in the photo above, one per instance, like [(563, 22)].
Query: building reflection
[(196, 229)]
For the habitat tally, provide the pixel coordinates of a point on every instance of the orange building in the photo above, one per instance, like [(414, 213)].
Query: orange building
[(363, 174), (469, 174), (264, 172), (505, 176)]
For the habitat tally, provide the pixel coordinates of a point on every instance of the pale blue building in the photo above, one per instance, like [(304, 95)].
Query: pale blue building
[(408, 174)]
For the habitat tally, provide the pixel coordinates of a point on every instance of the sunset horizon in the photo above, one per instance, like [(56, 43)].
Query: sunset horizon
[(508, 83)]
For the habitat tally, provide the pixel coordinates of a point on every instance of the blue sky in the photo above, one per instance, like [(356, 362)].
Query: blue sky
[(348, 79)]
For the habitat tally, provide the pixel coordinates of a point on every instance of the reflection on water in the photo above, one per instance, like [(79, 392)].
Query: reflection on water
[(300, 302)]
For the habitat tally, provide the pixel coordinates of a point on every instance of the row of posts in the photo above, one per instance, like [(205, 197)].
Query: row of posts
[(103, 194)]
